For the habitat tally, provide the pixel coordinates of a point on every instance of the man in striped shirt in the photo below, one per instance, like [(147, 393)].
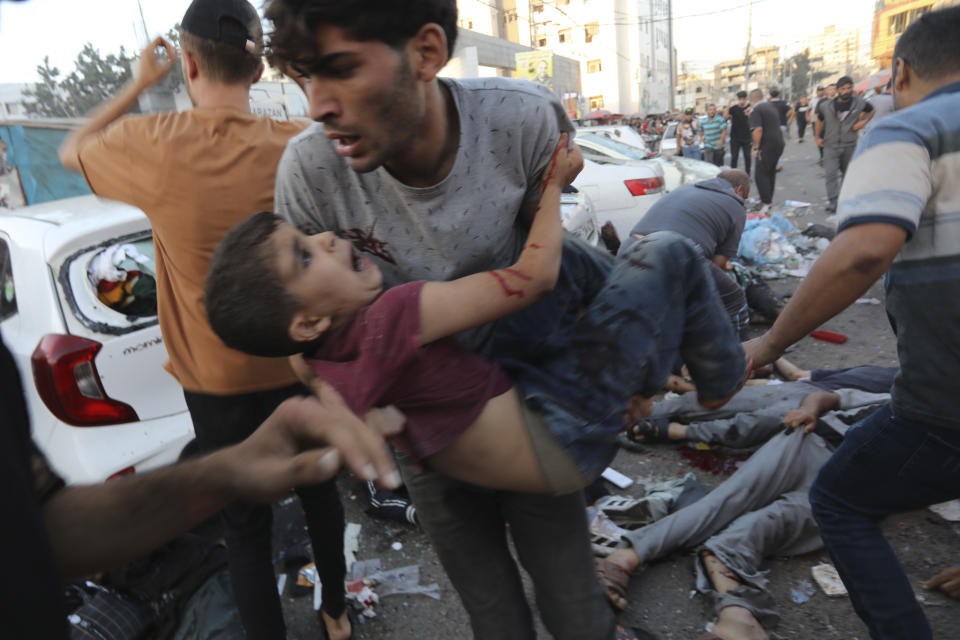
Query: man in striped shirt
[(714, 135), (899, 209)]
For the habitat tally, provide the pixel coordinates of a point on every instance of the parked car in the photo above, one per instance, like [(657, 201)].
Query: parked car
[(621, 191), (90, 355), (617, 132), (579, 215)]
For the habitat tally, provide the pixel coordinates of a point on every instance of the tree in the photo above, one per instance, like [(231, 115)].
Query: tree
[(49, 100), (94, 79), (802, 76), (175, 78)]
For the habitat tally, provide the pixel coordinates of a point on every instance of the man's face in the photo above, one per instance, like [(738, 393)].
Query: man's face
[(711, 111), (820, 93), (831, 92), (366, 95), (742, 101), (845, 90)]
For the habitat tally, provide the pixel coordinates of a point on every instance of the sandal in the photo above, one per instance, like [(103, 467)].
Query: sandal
[(613, 579), (649, 431)]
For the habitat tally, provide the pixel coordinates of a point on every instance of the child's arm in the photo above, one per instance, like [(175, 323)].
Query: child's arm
[(450, 307)]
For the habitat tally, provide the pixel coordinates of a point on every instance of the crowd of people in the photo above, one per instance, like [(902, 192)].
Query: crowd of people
[(415, 285)]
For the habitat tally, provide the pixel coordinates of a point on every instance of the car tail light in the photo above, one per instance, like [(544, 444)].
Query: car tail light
[(643, 186), (68, 383), (123, 472)]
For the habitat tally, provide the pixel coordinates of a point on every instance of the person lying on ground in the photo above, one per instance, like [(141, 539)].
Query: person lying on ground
[(756, 412), (574, 356), (761, 511)]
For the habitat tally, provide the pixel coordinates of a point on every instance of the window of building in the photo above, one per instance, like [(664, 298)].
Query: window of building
[(594, 66), (590, 31), (537, 5), (541, 42), (466, 23), (596, 102), (8, 296), (565, 35), (898, 23), (699, 89)]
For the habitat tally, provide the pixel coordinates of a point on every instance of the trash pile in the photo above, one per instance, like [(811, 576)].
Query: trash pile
[(779, 249)]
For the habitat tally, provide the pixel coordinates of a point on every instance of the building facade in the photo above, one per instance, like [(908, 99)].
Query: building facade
[(838, 51), (624, 47)]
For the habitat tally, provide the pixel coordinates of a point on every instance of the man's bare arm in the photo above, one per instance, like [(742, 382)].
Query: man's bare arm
[(811, 407), (865, 117), (855, 259), (150, 71), (757, 134), (304, 441)]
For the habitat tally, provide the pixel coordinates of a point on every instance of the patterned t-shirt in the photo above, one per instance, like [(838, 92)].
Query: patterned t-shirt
[(713, 131), (464, 224)]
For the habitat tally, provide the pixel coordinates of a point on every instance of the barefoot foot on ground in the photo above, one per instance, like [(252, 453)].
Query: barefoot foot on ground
[(737, 623), (337, 628)]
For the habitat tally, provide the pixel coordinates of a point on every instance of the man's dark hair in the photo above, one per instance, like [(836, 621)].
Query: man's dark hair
[(392, 22), (774, 93), (222, 62), (926, 44), (247, 304), (741, 94), (736, 178)]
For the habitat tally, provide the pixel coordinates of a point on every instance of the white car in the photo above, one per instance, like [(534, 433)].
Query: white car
[(621, 192), (99, 400), (617, 132), (579, 215)]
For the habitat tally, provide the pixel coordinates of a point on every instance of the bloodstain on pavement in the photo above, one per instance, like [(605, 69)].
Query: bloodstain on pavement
[(715, 462)]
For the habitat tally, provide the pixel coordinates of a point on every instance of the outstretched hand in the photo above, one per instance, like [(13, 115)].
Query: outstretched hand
[(152, 69), (947, 581), (305, 441), (800, 419)]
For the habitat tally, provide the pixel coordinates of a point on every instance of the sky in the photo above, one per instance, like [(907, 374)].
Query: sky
[(705, 31)]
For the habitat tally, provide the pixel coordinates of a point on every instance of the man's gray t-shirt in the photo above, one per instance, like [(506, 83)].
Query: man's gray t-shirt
[(709, 213), (466, 223)]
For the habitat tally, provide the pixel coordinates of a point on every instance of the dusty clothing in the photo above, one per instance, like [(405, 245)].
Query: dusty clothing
[(165, 165)]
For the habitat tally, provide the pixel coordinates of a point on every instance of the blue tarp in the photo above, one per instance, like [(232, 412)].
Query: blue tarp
[(33, 151)]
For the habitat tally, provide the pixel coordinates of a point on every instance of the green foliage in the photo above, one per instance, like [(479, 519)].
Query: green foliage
[(800, 73), (175, 79), (95, 78)]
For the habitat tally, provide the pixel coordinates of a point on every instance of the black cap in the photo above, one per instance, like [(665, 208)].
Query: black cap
[(820, 87), (844, 80), (688, 110), (206, 18)]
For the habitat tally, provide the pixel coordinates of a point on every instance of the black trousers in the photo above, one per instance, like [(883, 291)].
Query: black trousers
[(801, 127), (735, 147), (223, 420), (766, 172)]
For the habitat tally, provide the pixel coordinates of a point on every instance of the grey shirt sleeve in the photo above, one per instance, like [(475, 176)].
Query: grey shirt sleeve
[(293, 198), (731, 244)]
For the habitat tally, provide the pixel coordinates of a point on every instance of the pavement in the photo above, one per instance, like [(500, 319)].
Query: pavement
[(661, 595)]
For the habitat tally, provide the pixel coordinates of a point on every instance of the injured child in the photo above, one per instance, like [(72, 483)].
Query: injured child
[(586, 333), (762, 510)]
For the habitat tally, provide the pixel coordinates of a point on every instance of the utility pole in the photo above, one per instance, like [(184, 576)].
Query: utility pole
[(672, 66), (146, 34), (746, 64)]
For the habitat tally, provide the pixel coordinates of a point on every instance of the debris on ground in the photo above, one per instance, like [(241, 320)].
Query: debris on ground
[(778, 249), (949, 511), (802, 591), (827, 577), (367, 575)]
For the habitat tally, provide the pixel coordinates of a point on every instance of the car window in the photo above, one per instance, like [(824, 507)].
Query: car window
[(112, 287), (618, 147), (8, 293)]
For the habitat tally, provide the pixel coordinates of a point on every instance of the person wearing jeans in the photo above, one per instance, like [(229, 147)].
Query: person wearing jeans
[(688, 136), (894, 214)]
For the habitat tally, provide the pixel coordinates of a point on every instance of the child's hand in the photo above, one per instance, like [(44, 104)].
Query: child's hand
[(565, 165)]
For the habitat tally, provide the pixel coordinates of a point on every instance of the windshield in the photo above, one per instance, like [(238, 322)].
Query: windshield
[(612, 145)]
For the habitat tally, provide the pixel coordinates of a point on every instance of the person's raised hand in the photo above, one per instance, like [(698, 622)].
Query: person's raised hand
[(565, 165), (154, 66), (947, 581), (305, 441), (800, 419)]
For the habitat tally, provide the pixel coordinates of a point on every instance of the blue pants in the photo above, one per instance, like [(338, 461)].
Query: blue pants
[(612, 329), (692, 152), (886, 465)]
